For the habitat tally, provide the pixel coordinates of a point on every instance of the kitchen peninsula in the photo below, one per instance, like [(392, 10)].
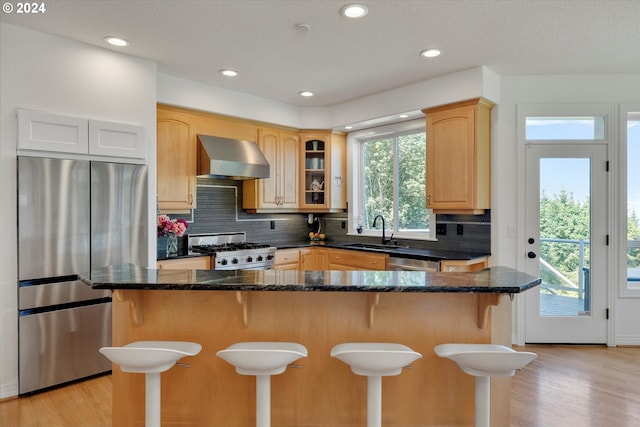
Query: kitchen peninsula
[(318, 309)]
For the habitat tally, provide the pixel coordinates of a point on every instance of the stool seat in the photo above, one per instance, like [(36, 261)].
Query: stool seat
[(262, 358), (490, 360), (375, 359), (150, 356), (484, 361)]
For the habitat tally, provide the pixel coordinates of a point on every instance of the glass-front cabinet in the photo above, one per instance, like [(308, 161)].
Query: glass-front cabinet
[(323, 162)]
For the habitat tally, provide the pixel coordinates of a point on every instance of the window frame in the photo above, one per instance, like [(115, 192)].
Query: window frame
[(355, 171), (626, 289)]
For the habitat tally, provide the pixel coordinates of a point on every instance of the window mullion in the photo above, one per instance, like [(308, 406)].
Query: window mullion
[(396, 184)]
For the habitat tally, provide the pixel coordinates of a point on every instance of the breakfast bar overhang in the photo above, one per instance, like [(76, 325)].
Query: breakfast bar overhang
[(318, 309)]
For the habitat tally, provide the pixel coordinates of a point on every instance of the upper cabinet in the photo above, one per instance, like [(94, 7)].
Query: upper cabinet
[(459, 157), (323, 168), (51, 132), (176, 162), (279, 192)]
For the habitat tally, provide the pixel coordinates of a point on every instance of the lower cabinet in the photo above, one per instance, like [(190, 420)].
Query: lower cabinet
[(344, 259), (192, 263), (320, 258), (287, 259), (314, 259)]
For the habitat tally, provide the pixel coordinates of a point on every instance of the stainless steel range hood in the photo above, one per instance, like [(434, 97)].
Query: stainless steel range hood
[(230, 158)]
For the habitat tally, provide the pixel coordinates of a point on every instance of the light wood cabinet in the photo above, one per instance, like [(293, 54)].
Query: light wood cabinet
[(344, 259), (287, 259), (279, 192), (176, 162), (464, 266), (314, 259), (191, 263), (459, 157), (323, 169)]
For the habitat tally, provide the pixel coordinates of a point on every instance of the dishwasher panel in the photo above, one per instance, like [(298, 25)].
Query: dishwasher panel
[(400, 264)]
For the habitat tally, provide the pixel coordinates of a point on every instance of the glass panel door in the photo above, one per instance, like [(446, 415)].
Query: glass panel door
[(566, 203)]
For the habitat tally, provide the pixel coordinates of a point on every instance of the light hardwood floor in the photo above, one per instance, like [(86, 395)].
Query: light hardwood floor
[(575, 386)]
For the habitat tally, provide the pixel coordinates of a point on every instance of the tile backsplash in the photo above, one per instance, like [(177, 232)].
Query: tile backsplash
[(219, 209)]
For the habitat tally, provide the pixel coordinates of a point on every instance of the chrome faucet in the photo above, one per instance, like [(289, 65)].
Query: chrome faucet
[(375, 221)]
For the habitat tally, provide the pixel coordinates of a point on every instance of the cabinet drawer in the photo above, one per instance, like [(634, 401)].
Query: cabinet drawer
[(194, 263), (356, 259), (287, 259)]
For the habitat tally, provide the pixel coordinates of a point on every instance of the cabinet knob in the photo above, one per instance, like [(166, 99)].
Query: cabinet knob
[(428, 199)]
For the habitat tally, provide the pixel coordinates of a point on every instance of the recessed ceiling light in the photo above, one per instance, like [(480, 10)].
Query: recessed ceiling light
[(116, 41), (403, 116), (354, 10), (348, 127), (228, 73), (431, 53), (305, 93)]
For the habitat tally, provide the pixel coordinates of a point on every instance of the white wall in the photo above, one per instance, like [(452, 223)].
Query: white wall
[(508, 164), (459, 86), (47, 73)]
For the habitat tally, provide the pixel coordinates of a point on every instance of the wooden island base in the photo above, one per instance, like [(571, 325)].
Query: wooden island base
[(323, 392)]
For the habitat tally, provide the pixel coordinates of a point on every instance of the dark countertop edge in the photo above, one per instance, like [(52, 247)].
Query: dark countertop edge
[(427, 288)]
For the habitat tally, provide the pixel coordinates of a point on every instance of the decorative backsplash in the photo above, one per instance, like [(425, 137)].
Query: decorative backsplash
[(219, 209)]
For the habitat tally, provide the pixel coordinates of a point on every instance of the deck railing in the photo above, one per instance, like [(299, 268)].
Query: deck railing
[(581, 289)]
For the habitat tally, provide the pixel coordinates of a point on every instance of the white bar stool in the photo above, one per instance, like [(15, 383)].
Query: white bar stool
[(484, 361), (150, 358), (375, 360), (262, 359)]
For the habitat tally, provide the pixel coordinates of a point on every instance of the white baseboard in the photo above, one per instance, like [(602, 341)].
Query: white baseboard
[(9, 389), (628, 340)]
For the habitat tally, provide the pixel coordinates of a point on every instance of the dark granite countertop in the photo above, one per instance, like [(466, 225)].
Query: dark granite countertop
[(492, 280), (402, 252)]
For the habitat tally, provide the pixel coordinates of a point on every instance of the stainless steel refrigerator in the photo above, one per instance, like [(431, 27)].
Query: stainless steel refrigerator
[(73, 215)]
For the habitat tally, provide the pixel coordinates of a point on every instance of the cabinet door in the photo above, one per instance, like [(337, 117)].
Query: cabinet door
[(450, 154), (279, 191), (268, 141), (459, 157), (116, 139), (176, 165), (314, 259), (50, 132), (288, 169)]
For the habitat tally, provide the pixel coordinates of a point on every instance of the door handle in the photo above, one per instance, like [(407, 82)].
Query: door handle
[(531, 255)]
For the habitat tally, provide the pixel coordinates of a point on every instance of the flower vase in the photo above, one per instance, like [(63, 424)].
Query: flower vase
[(172, 245)]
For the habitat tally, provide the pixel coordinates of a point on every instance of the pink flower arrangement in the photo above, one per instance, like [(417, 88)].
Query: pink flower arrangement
[(167, 225)]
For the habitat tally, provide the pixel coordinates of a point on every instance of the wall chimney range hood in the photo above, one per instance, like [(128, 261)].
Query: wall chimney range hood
[(230, 158)]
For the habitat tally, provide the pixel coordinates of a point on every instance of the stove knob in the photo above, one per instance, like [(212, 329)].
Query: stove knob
[(234, 261), (269, 257), (249, 259), (259, 258), (223, 262)]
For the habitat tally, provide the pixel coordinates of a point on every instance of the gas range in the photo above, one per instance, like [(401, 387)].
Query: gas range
[(231, 251)]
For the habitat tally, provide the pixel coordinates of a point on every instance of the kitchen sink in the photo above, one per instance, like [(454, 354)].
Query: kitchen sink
[(377, 246)]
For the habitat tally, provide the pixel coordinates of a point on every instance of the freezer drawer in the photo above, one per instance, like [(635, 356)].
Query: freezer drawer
[(61, 346), (43, 294)]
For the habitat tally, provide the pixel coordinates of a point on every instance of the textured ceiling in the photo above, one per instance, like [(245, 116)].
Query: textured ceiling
[(342, 60)]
